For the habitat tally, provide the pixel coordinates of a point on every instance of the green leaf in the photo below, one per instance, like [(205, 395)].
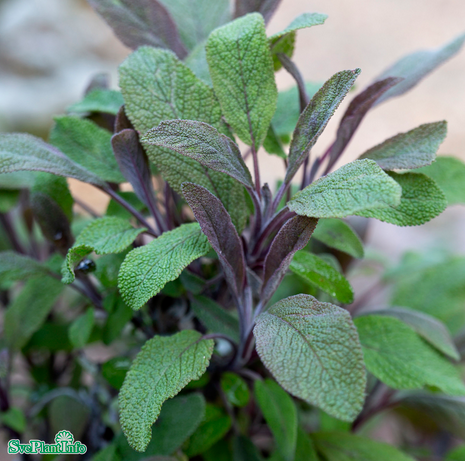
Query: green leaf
[(421, 201), (87, 144), (114, 371), (107, 454), (353, 188), (316, 116), (14, 418), (321, 274), (213, 428), (413, 149), (14, 266), (272, 144), (70, 413), (104, 236), (55, 187), (147, 269), (300, 22), (99, 100), (81, 328), (8, 200), (241, 69), (313, 351), (116, 320), (449, 173), (429, 328), (203, 143), (28, 311), (235, 389), (280, 414), (19, 152), (162, 368), (216, 318), (197, 62), (414, 67), (156, 86), (397, 356), (305, 448), (245, 450), (457, 454), (341, 446), (339, 235)]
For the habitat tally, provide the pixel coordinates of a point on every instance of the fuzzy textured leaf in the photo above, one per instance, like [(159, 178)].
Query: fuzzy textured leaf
[(147, 269), (104, 236), (337, 234), (321, 274), (413, 149), (312, 349), (421, 201), (316, 116), (397, 356), (87, 144), (449, 173), (355, 187), (161, 369), (99, 100), (20, 152), (203, 143), (241, 69)]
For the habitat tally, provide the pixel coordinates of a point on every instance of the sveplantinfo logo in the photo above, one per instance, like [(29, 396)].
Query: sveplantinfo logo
[(64, 444)]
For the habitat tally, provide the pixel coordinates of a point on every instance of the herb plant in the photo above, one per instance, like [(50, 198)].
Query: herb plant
[(231, 324)]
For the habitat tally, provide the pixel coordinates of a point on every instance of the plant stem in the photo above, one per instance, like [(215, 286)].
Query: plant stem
[(6, 223), (86, 207), (258, 185)]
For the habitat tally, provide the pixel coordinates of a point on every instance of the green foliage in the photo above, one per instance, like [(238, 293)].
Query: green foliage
[(99, 100), (114, 371), (14, 266), (241, 69), (14, 418), (458, 454), (396, 355), (235, 389), (57, 189), (156, 376), (81, 328), (147, 269), (297, 340)]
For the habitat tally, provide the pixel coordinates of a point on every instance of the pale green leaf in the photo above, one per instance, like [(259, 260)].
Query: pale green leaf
[(341, 446), (20, 152), (241, 69), (162, 368), (353, 188), (87, 144), (99, 100), (421, 201), (397, 356), (197, 62), (313, 351), (81, 328), (106, 235), (157, 86), (147, 269), (300, 22), (413, 149), (316, 116), (339, 235), (321, 274), (280, 414), (429, 328), (449, 173), (14, 266), (235, 389), (28, 311)]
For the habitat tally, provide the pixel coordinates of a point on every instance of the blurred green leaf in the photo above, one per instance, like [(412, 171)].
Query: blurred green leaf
[(81, 328), (235, 389), (114, 371), (99, 100)]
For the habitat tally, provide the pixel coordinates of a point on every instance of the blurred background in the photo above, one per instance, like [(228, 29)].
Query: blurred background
[(50, 49)]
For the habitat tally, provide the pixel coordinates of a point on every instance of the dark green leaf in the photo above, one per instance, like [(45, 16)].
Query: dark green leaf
[(68, 413), (235, 389), (81, 328), (8, 200), (99, 100), (245, 450), (114, 371), (14, 266)]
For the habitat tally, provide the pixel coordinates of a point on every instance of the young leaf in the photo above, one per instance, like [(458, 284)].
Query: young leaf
[(429, 328), (280, 414), (235, 389), (134, 164), (321, 274), (265, 7), (215, 318), (80, 330), (312, 350), (300, 22), (28, 311), (156, 87), (293, 236), (147, 269), (449, 173), (203, 143), (414, 67), (99, 100), (161, 369), (355, 187), (241, 69), (337, 234), (216, 224), (413, 149), (421, 201), (104, 236), (141, 22), (88, 145), (316, 116), (14, 266), (20, 152), (397, 356), (342, 446)]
